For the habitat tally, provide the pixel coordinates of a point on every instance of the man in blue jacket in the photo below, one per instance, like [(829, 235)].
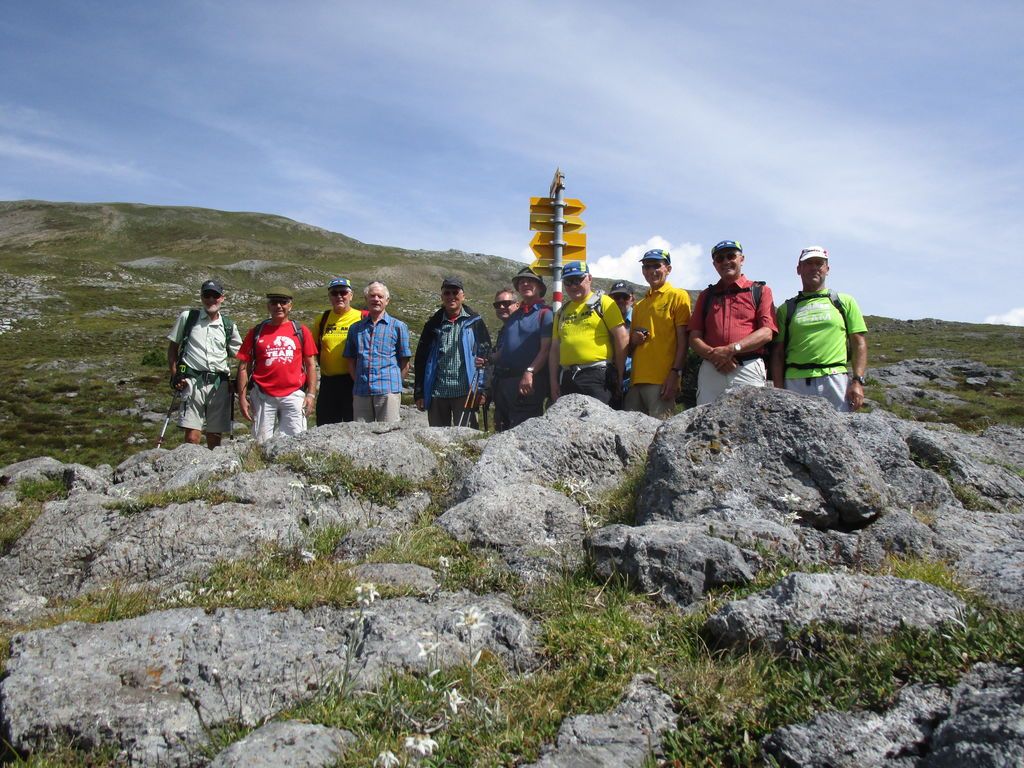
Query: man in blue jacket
[(450, 356)]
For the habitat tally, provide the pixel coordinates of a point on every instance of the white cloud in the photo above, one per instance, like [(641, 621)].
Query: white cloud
[(686, 263), (1013, 317), (72, 161)]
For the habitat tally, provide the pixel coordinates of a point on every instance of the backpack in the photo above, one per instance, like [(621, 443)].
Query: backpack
[(791, 310), (296, 327), (593, 305), (190, 323), (755, 294)]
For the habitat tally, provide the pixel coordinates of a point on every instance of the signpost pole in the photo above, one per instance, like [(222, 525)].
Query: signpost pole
[(557, 195)]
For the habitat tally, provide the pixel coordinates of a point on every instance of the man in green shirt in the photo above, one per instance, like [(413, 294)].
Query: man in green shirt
[(821, 348)]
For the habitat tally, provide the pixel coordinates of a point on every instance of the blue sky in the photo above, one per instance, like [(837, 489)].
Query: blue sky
[(889, 132)]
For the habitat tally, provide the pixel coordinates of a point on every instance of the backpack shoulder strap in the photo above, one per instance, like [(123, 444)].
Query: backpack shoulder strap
[(707, 293), (229, 326), (320, 329), (297, 330), (256, 333), (837, 302)]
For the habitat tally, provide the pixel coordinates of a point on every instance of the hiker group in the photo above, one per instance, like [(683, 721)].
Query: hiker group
[(626, 352)]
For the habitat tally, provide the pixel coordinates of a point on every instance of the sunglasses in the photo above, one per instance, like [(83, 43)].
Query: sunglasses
[(573, 281), (725, 256), (282, 302), (502, 304), (211, 295), (340, 292)]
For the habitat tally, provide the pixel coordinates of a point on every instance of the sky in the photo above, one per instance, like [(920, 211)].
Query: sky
[(888, 132)]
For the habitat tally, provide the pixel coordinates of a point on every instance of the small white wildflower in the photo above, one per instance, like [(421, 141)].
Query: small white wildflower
[(444, 562), (323, 490), (386, 759), (476, 658), (296, 484), (420, 745), (454, 700), (426, 649), (366, 593), (471, 618), (307, 556)]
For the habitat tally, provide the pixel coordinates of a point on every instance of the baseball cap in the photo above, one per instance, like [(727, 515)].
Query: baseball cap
[(620, 287), (575, 269), (813, 252), (727, 245), (452, 282), (657, 254), (279, 292), (212, 286), (340, 282), (528, 273)]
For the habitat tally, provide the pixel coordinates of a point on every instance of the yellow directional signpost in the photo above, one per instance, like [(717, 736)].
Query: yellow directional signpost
[(557, 223)]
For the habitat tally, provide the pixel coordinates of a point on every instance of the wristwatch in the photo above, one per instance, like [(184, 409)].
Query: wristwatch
[(678, 370), (858, 379), (530, 369), (735, 347)]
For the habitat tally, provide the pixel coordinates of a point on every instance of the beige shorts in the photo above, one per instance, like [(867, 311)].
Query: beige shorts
[(646, 398), (206, 406)]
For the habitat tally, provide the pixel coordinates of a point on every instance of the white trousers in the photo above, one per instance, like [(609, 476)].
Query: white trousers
[(831, 387), (711, 384), (285, 412)]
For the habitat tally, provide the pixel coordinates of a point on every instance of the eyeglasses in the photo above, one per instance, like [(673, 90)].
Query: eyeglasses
[(502, 304), (340, 292), (280, 301), (651, 264), (211, 295), (451, 292), (725, 256), (573, 281)]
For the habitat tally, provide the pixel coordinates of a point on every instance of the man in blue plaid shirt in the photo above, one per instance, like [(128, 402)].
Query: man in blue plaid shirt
[(378, 352)]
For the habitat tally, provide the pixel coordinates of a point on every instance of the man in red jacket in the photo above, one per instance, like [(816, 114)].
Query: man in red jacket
[(277, 371)]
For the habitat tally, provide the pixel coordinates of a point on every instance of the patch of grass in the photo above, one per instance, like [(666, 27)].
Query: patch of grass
[(42, 490), (32, 495), (617, 505), (932, 572), (335, 470), (158, 499)]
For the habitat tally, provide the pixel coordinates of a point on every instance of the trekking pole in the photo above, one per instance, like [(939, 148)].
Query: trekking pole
[(470, 397), (170, 412)]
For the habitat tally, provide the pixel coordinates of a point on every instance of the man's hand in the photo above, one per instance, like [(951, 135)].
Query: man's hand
[(419, 404), (243, 406), (178, 381), (723, 358), (855, 395), (526, 384), (638, 337), (555, 392), (481, 362), (308, 403), (670, 387)]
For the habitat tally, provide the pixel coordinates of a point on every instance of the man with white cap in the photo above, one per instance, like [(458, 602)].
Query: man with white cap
[(821, 339)]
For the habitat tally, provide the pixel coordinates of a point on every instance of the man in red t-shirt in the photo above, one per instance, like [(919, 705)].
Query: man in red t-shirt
[(277, 364), (730, 332)]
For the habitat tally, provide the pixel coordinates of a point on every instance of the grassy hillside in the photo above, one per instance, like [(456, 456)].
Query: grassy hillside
[(90, 291)]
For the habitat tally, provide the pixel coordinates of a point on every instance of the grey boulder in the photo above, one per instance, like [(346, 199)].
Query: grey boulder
[(578, 440), (763, 452), (287, 744), (896, 738), (856, 604), (626, 736)]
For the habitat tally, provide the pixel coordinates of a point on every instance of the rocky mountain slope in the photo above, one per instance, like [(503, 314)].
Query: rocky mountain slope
[(762, 530), (757, 582)]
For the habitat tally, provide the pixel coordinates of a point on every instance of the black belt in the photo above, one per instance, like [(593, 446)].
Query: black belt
[(207, 377), (505, 373)]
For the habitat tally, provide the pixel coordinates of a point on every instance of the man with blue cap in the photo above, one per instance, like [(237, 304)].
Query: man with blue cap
[(588, 341), (335, 401)]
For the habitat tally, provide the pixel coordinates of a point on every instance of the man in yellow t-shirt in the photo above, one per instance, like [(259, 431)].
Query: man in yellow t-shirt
[(335, 401), (588, 338), (658, 339)]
